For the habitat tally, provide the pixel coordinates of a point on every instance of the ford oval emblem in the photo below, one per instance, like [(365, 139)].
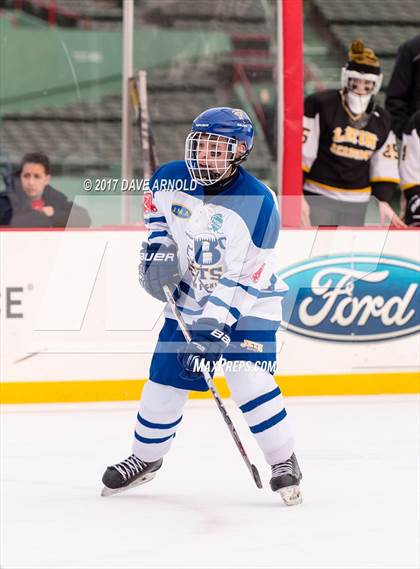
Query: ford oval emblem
[(353, 297)]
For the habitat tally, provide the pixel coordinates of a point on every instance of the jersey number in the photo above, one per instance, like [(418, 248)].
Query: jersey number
[(391, 151)]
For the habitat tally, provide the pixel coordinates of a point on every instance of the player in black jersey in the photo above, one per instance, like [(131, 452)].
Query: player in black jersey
[(349, 149)]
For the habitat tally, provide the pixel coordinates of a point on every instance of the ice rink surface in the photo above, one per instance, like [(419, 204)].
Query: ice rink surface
[(359, 457)]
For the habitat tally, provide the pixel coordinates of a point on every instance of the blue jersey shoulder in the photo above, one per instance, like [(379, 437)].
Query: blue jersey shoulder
[(257, 207), (173, 176)]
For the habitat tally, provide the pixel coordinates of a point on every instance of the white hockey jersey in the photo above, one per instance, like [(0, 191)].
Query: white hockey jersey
[(410, 170), (225, 244), (410, 154)]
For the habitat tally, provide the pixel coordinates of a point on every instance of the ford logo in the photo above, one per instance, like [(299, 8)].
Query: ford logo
[(352, 298)]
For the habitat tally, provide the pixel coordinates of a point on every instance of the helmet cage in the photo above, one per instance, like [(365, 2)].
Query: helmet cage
[(209, 157), (347, 74), (358, 103)]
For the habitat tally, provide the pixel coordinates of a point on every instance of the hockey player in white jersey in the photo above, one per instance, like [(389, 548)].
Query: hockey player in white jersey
[(410, 170), (212, 229)]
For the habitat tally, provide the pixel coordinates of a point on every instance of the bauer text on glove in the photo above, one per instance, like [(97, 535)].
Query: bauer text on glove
[(158, 267)]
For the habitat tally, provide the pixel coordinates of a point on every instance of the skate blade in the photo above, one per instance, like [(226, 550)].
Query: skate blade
[(291, 495), (111, 491)]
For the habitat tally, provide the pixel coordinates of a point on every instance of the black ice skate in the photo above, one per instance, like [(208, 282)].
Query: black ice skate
[(129, 473), (285, 480)]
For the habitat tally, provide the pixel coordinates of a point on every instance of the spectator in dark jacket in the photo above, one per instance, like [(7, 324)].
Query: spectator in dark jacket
[(5, 210), (403, 93), (34, 203)]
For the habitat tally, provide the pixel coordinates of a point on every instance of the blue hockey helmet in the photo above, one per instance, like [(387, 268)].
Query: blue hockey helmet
[(225, 128), (233, 123)]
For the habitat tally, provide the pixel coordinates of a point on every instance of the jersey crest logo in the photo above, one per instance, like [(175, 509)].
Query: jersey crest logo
[(216, 222), (204, 253), (181, 211), (206, 250)]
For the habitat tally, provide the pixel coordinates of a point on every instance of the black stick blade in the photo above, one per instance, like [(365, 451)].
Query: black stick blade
[(256, 476)]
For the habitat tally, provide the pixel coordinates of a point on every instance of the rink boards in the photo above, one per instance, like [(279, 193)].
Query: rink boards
[(76, 326)]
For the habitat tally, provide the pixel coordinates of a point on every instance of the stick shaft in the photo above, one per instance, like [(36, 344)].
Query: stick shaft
[(211, 386), (147, 139), (145, 124)]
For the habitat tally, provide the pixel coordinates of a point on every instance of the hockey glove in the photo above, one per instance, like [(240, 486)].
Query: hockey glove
[(158, 267), (209, 339)]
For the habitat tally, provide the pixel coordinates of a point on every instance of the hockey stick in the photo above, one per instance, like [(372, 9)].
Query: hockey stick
[(147, 138), (146, 121), (144, 125), (135, 103), (138, 94), (251, 467)]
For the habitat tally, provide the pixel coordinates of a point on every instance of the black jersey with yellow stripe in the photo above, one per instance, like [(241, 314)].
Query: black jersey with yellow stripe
[(343, 155)]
